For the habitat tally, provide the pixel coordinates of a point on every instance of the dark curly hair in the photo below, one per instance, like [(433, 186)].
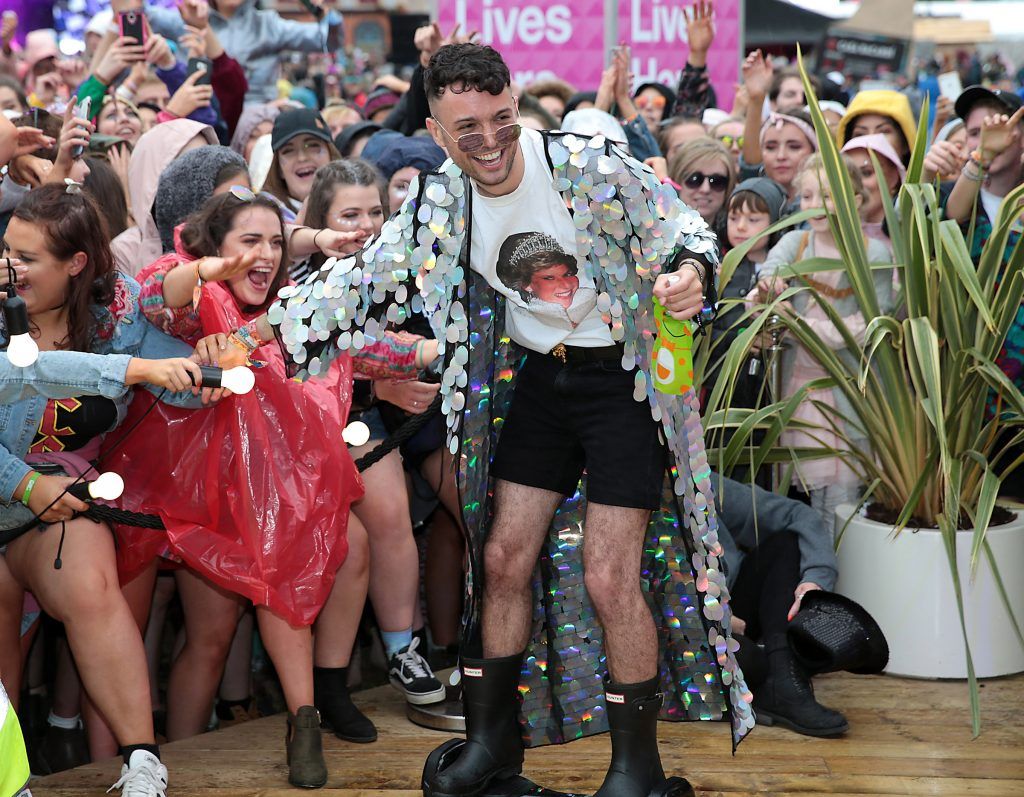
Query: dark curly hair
[(206, 229), (466, 67)]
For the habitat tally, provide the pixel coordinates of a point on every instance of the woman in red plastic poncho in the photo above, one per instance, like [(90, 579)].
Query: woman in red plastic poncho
[(263, 487)]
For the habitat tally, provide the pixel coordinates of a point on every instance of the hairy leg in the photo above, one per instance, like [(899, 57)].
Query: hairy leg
[(522, 517), (611, 554)]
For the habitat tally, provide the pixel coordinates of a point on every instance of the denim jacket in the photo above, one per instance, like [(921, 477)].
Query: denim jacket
[(122, 332)]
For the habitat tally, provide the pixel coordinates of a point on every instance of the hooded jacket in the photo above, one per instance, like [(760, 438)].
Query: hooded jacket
[(139, 246)]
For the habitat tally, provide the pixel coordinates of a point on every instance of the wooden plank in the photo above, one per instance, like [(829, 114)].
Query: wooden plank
[(907, 738)]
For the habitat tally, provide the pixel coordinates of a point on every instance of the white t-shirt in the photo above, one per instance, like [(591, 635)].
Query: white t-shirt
[(524, 245), (991, 203)]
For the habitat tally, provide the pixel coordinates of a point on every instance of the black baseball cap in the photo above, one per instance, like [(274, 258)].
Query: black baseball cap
[(972, 95), (297, 122)]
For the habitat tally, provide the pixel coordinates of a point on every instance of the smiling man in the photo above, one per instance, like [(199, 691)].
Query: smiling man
[(536, 392)]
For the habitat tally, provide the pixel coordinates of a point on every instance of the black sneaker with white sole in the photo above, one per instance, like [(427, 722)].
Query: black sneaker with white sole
[(410, 674)]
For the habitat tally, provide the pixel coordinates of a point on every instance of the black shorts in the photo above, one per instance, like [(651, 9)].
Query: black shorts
[(567, 418)]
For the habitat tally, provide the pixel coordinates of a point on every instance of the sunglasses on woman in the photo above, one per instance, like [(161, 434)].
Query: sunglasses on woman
[(730, 140), (656, 101), (716, 182), (474, 142)]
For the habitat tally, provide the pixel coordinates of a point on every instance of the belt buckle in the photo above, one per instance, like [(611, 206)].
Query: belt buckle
[(558, 352)]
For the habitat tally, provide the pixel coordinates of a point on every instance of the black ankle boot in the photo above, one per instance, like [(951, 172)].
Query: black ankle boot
[(60, 749), (635, 769), (787, 697), (306, 766), (494, 745), (337, 711)]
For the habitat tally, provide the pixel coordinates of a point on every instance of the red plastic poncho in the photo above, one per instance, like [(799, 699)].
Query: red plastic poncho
[(255, 492)]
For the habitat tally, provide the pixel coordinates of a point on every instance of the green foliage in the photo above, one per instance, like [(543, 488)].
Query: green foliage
[(922, 374)]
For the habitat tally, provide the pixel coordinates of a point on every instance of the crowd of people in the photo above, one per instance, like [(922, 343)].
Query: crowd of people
[(160, 193)]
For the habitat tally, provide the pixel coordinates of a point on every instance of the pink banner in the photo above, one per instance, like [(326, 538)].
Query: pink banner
[(543, 39), (656, 31)]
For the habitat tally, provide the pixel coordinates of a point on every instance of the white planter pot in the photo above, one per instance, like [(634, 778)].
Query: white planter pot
[(905, 583)]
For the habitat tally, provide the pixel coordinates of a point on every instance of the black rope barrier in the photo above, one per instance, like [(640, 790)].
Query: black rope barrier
[(111, 514)]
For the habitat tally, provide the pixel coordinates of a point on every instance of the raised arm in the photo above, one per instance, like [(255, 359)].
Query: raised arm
[(757, 78), (693, 95)]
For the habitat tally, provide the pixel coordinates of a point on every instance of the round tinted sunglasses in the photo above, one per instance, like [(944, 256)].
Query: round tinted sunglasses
[(474, 142), (716, 182), (656, 101), (730, 140)]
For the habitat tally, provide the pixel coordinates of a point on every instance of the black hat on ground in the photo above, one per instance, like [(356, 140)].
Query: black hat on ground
[(298, 122), (832, 633), (972, 95)]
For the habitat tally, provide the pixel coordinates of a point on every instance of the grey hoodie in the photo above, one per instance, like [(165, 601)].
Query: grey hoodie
[(739, 534), (254, 38)]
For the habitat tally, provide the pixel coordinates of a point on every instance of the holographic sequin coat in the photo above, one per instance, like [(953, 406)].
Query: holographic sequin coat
[(629, 229)]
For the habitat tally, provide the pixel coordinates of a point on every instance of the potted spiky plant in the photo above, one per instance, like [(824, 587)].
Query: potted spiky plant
[(928, 552)]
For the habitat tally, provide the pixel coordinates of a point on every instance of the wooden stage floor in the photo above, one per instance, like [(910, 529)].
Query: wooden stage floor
[(906, 737)]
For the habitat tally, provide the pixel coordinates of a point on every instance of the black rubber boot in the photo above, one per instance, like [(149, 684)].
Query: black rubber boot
[(635, 769), (787, 697), (306, 765), (337, 711), (494, 746)]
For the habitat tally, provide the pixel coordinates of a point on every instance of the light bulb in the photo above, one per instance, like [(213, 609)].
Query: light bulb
[(107, 486), (22, 351), (239, 379), (356, 434)]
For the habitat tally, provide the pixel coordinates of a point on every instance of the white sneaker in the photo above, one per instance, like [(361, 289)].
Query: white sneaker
[(142, 776)]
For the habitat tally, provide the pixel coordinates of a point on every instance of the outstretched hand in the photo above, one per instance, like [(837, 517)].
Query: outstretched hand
[(757, 75), (700, 31), (218, 269), (29, 139), (998, 132)]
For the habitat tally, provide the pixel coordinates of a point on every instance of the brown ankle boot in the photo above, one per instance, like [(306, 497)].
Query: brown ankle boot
[(306, 767)]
